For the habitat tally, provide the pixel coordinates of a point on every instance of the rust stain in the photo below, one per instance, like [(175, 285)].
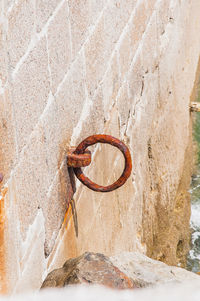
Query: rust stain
[(67, 217), (3, 285), (1, 177), (69, 248), (70, 244), (71, 212)]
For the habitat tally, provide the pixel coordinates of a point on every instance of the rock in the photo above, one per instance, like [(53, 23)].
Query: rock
[(91, 268), (126, 270), (195, 107), (147, 271)]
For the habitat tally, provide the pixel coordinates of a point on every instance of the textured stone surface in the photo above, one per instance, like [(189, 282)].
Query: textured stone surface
[(89, 268), (139, 267), (3, 57), (44, 10), (68, 70), (30, 91), (83, 15), (20, 30), (139, 271), (8, 145), (59, 56)]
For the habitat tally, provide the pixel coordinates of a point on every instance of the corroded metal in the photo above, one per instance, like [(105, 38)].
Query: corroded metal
[(78, 160), (74, 214), (91, 140)]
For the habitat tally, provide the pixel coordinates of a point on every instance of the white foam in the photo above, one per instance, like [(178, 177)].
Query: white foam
[(171, 292), (195, 236), (195, 216), (193, 255)]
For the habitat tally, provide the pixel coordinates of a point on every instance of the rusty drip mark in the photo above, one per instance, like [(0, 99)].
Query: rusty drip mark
[(71, 212), (81, 157)]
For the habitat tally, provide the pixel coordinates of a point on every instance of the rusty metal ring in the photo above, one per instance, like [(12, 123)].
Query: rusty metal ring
[(109, 140)]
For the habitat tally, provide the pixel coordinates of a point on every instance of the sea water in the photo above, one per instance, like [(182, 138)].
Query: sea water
[(194, 254)]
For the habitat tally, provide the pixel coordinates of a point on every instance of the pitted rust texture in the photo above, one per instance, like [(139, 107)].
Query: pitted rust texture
[(78, 160), (91, 140)]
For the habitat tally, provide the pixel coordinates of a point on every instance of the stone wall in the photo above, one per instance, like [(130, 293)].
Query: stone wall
[(69, 69)]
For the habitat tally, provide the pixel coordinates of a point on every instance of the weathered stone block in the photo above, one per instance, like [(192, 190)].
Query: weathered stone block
[(83, 14), (110, 85), (44, 10), (8, 145), (20, 29), (3, 57), (64, 112), (96, 7), (93, 123), (55, 206), (134, 35), (116, 16), (124, 108), (32, 181), (8, 5), (59, 46), (102, 42), (96, 56), (48, 192), (125, 77), (135, 79), (30, 92)]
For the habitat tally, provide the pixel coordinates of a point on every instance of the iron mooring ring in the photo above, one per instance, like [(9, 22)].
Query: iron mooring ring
[(85, 159)]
